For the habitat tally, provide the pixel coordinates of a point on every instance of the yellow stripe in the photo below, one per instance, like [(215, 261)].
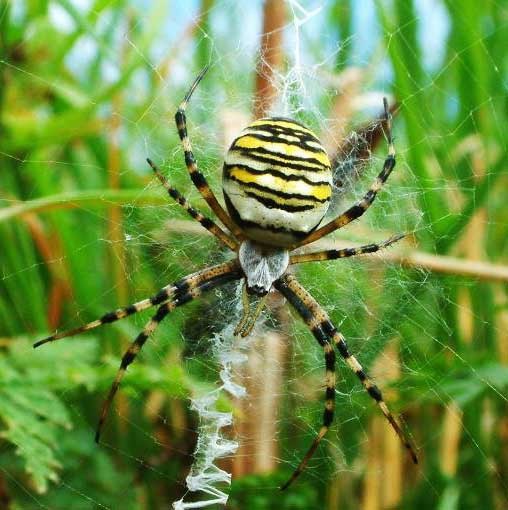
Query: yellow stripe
[(249, 142), (320, 191)]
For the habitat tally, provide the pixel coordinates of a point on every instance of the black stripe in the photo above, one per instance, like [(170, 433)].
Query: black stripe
[(129, 310), (183, 295), (235, 216), (327, 417), (369, 196), (278, 193), (283, 119), (330, 360), (233, 274), (328, 327), (273, 172), (194, 214), (319, 335), (198, 179), (287, 164), (276, 139), (161, 313), (129, 356), (282, 286), (282, 130), (375, 393), (273, 204), (286, 158), (207, 223), (182, 285), (300, 307), (189, 158), (388, 167), (355, 212), (180, 119), (108, 317), (160, 297), (344, 351), (174, 194)]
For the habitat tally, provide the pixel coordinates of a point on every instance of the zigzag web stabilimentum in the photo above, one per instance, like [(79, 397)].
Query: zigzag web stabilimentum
[(205, 478)]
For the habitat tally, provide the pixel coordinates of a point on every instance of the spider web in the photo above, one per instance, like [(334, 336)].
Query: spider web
[(265, 392)]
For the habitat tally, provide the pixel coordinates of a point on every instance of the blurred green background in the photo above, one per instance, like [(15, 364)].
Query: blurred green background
[(87, 92)]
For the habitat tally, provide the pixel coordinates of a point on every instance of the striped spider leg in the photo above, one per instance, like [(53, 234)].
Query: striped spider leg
[(342, 253), (207, 223), (325, 333), (196, 176), (361, 206), (168, 298), (277, 184)]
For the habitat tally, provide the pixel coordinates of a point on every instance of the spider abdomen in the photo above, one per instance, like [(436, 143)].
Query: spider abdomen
[(277, 181)]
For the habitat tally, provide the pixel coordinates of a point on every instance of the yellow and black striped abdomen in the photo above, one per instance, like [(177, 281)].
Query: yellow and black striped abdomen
[(277, 181)]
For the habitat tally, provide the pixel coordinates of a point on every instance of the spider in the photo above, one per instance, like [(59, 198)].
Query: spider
[(277, 184)]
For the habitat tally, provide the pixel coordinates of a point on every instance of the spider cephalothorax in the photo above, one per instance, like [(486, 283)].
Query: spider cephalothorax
[(261, 265), (277, 187)]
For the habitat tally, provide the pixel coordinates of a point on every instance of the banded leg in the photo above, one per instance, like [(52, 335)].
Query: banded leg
[(284, 286), (360, 207), (340, 342), (180, 298), (164, 294), (319, 323), (204, 221), (196, 176), (344, 252)]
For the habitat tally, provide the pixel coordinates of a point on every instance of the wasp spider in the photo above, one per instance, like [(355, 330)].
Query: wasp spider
[(277, 184)]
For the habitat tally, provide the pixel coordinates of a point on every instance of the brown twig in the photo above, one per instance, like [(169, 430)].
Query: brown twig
[(270, 56), (407, 257)]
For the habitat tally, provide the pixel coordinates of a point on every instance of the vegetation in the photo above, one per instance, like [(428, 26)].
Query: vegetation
[(87, 94)]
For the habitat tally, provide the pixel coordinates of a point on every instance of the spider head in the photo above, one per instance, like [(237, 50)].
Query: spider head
[(262, 265)]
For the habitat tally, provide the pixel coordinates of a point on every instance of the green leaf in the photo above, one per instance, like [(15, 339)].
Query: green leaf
[(32, 417)]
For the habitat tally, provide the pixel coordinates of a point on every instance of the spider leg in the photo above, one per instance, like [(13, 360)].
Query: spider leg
[(360, 207), (204, 221), (371, 388), (321, 327), (164, 294), (344, 252), (181, 297), (285, 286), (196, 176), (245, 310), (248, 319)]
